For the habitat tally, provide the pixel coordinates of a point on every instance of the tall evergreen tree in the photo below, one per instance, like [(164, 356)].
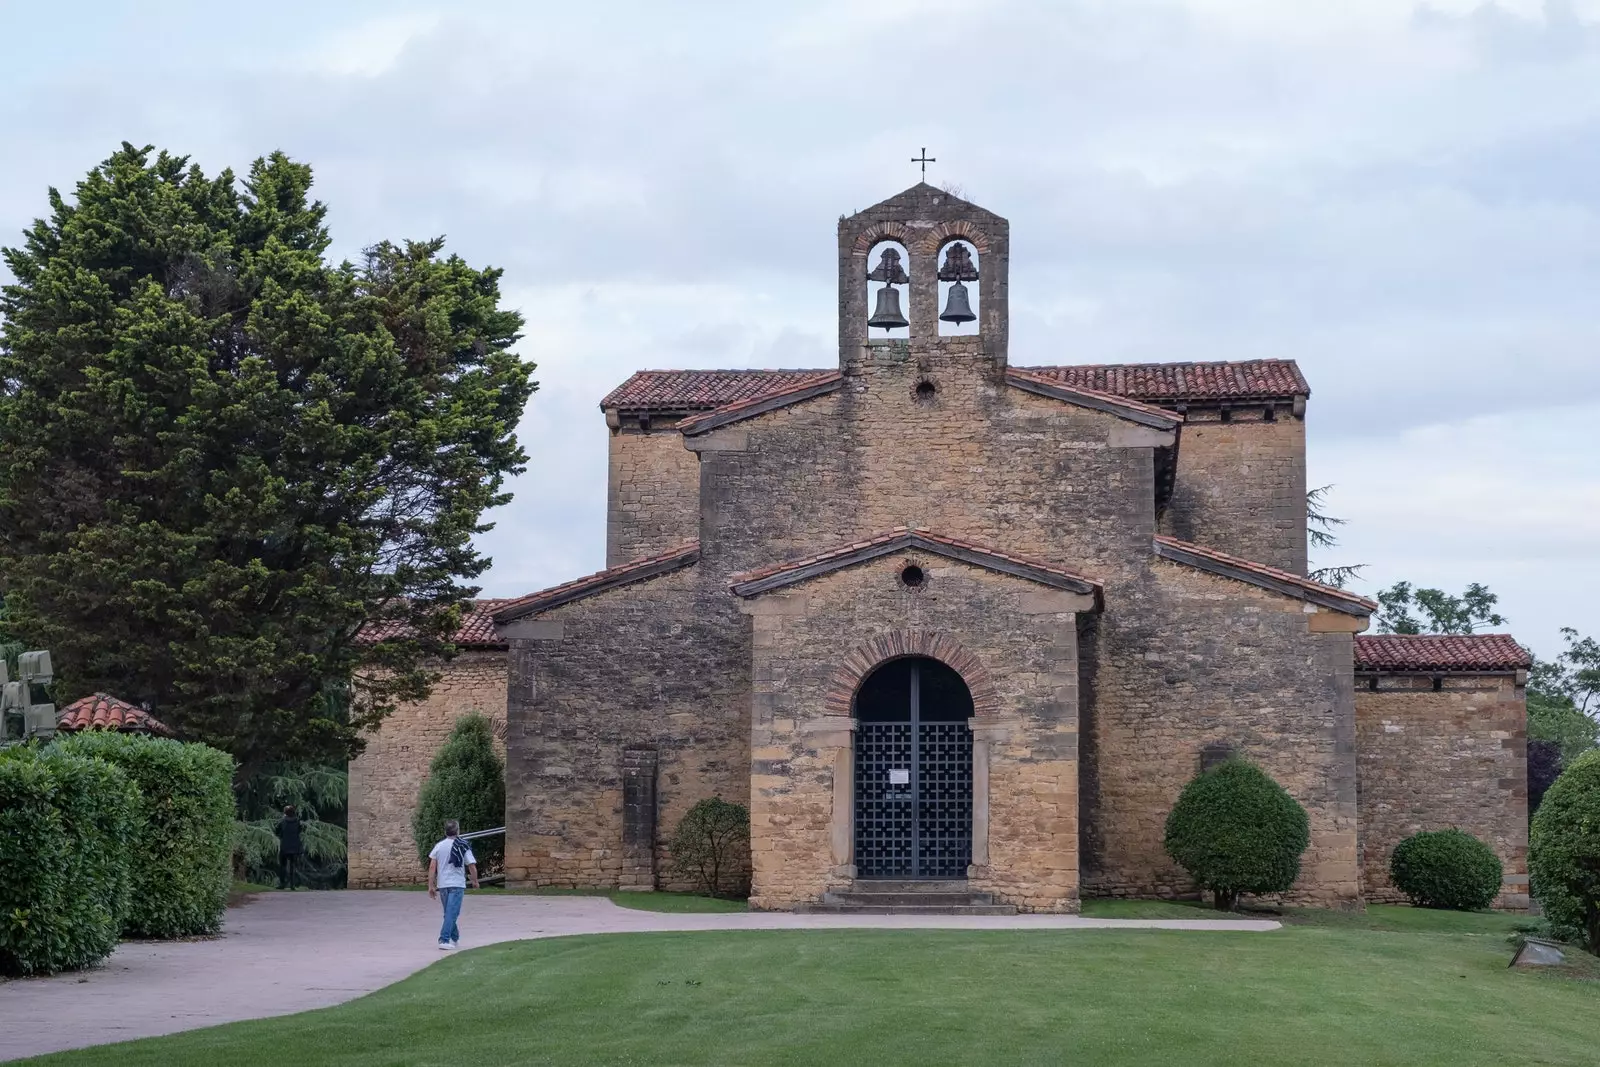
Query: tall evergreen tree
[(223, 458)]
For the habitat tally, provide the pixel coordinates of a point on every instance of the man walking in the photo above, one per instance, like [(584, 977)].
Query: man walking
[(450, 864), (290, 848)]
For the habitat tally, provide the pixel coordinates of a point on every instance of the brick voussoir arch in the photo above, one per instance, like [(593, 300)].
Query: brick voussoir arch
[(945, 232), (898, 644), (882, 231)]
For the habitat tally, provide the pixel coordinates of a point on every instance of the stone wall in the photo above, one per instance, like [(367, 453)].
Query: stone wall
[(1184, 659), (653, 492), (644, 667), (1241, 485), (386, 777), (1015, 644), (1434, 759)]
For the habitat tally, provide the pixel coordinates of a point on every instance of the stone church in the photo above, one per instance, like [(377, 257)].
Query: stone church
[(939, 619)]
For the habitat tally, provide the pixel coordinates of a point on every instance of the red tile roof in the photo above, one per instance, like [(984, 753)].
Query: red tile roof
[(103, 712), (475, 631), (1175, 382), (633, 571), (782, 396), (1440, 652), (1146, 414), (1152, 383), (752, 582), (1209, 559)]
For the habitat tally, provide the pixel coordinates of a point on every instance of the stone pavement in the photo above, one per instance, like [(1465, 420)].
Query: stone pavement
[(289, 952)]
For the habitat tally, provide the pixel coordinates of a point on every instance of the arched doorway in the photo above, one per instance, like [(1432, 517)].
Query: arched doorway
[(913, 772)]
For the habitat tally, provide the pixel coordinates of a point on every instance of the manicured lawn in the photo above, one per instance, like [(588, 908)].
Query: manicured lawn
[(1301, 995), (656, 901), (1393, 918)]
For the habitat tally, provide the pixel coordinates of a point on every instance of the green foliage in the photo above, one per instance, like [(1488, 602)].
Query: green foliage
[(1564, 850), (320, 796), (64, 859), (712, 847), (1235, 830), (466, 782), (1440, 612), (181, 839), (1447, 869), (223, 459), (1320, 527), (1564, 697)]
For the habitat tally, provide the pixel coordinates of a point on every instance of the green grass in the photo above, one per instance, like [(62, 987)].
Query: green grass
[(1388, 917), (1298, 996)]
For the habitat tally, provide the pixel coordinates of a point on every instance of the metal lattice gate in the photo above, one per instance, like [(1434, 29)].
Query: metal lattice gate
[(913, 798)]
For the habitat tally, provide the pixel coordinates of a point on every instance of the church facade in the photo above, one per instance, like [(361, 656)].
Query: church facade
[(937, 618)]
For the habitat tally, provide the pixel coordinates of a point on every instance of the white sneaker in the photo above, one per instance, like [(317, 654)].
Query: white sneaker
[(444, 946)]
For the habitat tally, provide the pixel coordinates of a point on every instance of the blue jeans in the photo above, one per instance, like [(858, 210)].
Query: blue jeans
[(450, 897)]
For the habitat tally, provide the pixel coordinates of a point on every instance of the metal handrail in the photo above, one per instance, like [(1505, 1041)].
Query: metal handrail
[(488, 879)]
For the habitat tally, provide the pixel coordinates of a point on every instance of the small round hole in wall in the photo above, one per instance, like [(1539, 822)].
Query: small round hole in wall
[(926, 391), (912, 576)]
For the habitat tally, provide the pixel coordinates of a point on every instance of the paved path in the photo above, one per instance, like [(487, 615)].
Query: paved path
[(289, 952)]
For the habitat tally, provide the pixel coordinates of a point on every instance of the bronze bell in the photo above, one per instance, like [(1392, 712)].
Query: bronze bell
[(956, 308), (888, 314)]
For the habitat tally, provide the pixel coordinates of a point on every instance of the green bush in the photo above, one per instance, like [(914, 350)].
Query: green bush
[(64, 824), (711, 847), (181, 844), (1446, 869), (467, 783), (1236, 831), (1564, 850)]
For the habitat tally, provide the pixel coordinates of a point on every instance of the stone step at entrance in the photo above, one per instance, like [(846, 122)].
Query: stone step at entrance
[(890, 897)]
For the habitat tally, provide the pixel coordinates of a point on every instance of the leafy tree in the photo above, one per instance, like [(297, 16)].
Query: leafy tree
[(1564, 850), (1440, 612), (223, 458), (1564, 697), (466, 782), (1448, 869), (711, 846), (1235, 830), (320, 795), (1544, 767), (1320, 527)]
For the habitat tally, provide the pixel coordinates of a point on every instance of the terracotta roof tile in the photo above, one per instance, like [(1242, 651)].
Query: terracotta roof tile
[(1440, 652), (475, 631), (1121, 404), (1150, 383), (633, 571), (1199, 554), (751, 582), (103, 712)]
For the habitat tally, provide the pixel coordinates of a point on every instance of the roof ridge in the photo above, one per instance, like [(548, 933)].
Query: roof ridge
[(634, 570)]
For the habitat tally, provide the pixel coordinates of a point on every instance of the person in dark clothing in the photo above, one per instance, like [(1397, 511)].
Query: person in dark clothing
[(290, 848)]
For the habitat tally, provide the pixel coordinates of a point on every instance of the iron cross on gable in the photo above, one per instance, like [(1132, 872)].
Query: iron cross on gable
[(924, 159)]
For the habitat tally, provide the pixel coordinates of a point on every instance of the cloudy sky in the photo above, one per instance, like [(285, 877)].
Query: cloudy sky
[(1403, 197)]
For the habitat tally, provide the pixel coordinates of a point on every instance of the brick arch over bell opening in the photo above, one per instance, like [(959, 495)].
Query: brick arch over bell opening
[(883, 231), (898, 644), (945, 233)]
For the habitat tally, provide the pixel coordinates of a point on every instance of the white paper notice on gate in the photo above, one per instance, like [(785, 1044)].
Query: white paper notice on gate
[(899, 776)]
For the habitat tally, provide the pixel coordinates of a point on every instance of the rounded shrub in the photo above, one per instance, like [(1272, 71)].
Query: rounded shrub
[(466, 782), (1235, 830), (711, 847), (1446, 869), (64, 865), (181, 841), (1564, 850)]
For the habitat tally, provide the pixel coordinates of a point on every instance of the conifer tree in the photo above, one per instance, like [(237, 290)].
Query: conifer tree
[(223, 458)]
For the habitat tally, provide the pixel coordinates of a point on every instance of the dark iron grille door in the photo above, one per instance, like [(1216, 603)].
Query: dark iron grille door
[(913, 796), (944, 788), (884, 811)]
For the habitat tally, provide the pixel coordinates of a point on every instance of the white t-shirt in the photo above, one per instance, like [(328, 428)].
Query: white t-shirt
[(451, 877)]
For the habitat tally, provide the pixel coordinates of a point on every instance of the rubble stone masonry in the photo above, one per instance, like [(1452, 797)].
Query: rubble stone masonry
[(386, 777), (652, 495), (1434, 759)]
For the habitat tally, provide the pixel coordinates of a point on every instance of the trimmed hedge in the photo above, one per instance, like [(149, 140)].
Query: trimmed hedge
[(1235, 830), (1564, 850), (181, 848), (64, 826), (466, 782), (1448, 869)]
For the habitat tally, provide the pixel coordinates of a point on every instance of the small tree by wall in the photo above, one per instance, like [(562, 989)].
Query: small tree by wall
[(1564, 850), (712, 847), (1235, 830), (466, 782)]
